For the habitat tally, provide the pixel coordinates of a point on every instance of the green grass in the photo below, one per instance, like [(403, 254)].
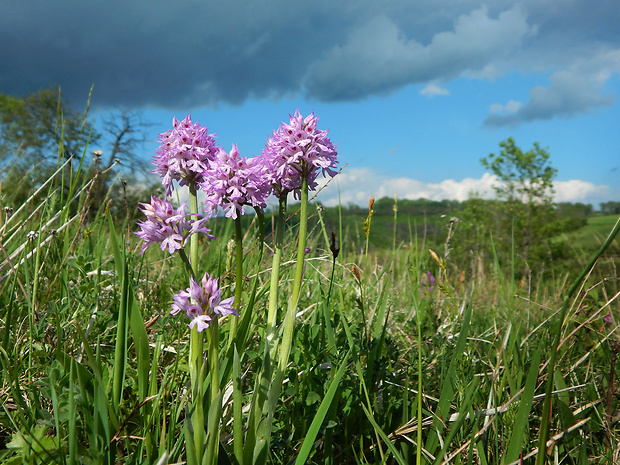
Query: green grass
[(381, 370), (591, 236)]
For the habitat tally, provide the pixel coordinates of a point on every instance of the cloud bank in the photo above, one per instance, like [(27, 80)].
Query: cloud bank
[(194, 54), (356, 185)]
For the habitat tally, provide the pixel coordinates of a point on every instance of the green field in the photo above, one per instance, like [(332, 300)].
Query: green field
[(591, 236), (384, 364)]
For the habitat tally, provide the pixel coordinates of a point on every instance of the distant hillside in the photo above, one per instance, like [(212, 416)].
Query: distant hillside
[(428, 220)]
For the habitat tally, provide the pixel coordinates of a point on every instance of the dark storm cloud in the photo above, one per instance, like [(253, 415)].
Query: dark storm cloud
[(161, 53), (196, 53)]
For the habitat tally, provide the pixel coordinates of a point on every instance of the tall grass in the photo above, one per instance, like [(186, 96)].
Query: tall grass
[(381, 369)]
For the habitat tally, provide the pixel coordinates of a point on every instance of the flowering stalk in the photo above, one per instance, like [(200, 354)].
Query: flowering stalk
[(289, 319), (238, 275), (275, 268), (292, 159), (291, 162), (233, 182), (203, 304), (366, 223), (197, 369), (295, 155), (189, 156)]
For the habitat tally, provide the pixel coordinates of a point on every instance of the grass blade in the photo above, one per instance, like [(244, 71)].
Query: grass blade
[(317, 421), (522, 417)]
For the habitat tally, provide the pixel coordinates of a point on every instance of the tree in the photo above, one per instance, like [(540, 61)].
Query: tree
[(42, 127), (610, 208), (525, 176), (124, 133), (43, 131), (522, 225)]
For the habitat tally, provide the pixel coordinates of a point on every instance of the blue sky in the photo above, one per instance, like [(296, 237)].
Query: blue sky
[(413, 93)]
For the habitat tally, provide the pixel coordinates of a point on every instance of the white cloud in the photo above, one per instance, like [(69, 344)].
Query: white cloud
[(356, 185), (431, 90), (576, 190)]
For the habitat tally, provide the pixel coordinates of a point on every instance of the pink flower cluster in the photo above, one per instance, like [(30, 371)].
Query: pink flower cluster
[(428, 283), (298, 149), (232, 182), (202, 302), (168, 226), (188, 155), (185, 153)]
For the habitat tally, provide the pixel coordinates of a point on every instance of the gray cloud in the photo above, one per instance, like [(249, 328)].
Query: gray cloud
[(377, 56), (194, 53), (573, 91)]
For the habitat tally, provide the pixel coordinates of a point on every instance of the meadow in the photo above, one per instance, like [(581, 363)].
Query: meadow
[(394, 353)]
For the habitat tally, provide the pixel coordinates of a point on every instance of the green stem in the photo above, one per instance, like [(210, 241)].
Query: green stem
[(237, 408), (301, 248), (275, 269), (238, 278), (232, 360), (193, 240), (215, 409), (289, 319), (197, 368), (197, 375)]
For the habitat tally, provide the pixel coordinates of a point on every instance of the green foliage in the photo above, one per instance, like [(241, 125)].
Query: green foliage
[(610, 208), (519, 231), (43, 126), (525, 176), (590, 237)]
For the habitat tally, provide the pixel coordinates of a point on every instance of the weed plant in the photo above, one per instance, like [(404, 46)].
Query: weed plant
[(385, 364)]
